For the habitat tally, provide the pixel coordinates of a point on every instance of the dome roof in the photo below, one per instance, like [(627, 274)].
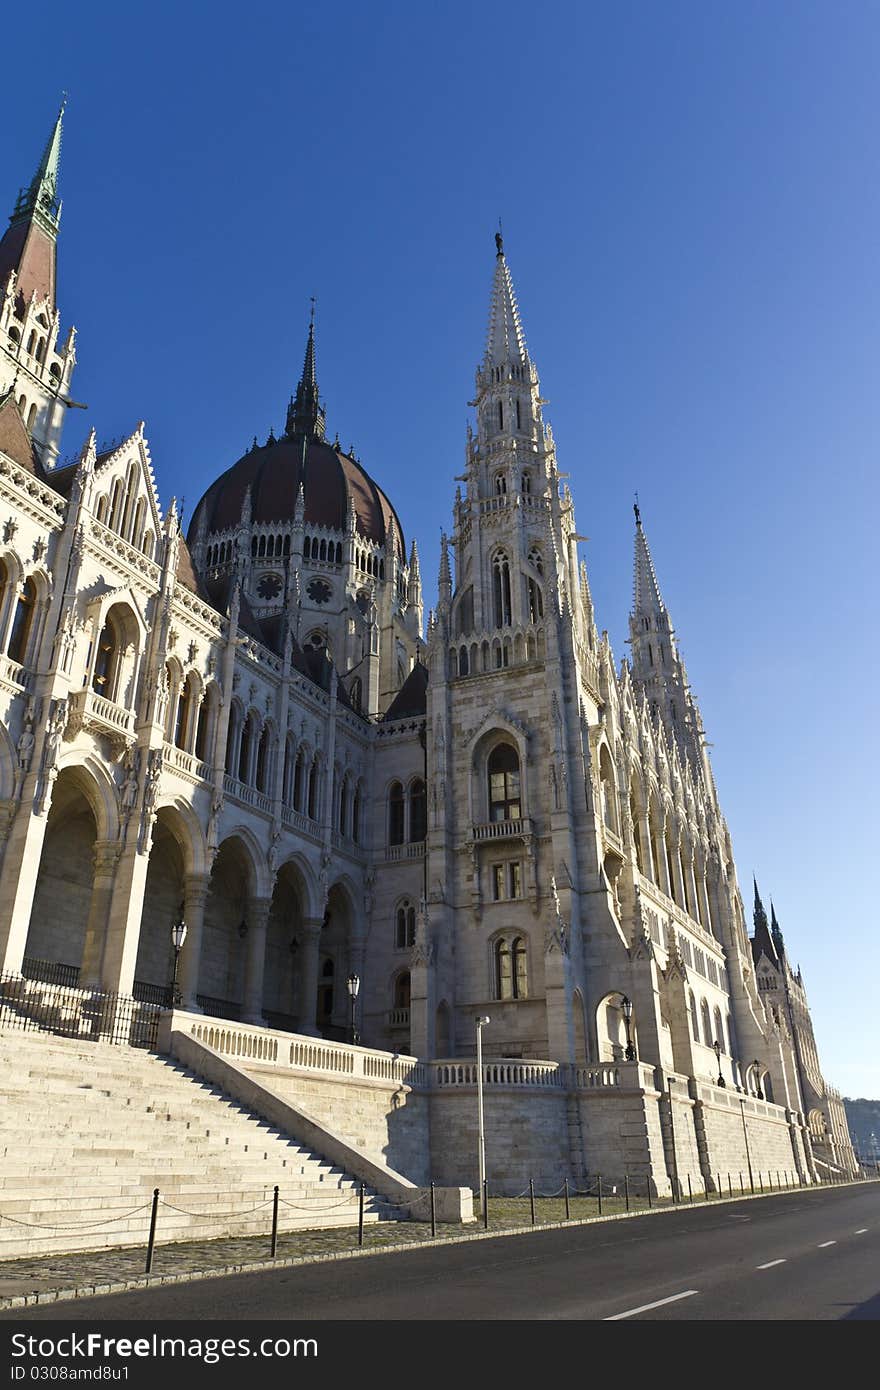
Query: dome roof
[(330, 480)]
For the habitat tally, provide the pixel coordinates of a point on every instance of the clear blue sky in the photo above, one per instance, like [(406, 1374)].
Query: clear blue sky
[(690, 202)]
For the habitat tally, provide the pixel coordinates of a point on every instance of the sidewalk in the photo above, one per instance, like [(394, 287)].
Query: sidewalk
[(57, 1278)]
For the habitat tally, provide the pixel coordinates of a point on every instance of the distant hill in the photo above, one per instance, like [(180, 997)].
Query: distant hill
[(863, 1118)]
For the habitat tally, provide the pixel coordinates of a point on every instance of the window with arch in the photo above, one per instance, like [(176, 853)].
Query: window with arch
[(719, 1030), (500, 485), (396, 814), (107, 660), (181, 718), (535, 600), (402, 990), (695, 1018), (22, 623), (312, 799), (501, 589), (510, 968), (502, 770), (707, 1024), (527, 484), (404, 925), (536, 560), (418, 811), (263, 761)]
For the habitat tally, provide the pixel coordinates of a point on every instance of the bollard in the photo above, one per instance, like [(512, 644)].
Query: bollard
[(770, 1180), (599, 1191), (275, 1223), (433, 1213), (567, 1203), (648, 1185), (361, 1215), (152, 1238), (720, 1188), (626, 1188), (690, 1189), (532, 1198), (729, 1187), (742, 1185), (778, 1181), (485, 1204)]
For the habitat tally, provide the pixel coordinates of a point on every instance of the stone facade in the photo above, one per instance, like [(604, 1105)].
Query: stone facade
[(246, 730)]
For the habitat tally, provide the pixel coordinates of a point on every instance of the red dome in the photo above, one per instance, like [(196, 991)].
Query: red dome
[(274, 472)]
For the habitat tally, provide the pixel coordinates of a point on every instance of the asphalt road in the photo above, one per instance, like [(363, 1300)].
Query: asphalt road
[(806, 1255)]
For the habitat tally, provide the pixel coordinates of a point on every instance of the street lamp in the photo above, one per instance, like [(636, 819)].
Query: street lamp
[(717, 1046), (354, 984), (178, 936), (627, 1006), (481, 1022), (758, 1092)]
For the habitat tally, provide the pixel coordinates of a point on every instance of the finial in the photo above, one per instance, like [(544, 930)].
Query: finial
[(636, 510), (312, 301), (499, 240)]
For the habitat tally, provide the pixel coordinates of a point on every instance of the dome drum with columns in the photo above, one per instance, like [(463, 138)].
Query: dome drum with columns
[(247, 728)]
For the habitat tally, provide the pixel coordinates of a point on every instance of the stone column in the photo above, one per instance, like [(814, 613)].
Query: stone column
[(195, 899), (257, 920), (123, 931), (309, 952), (105, 857), (21, 866)]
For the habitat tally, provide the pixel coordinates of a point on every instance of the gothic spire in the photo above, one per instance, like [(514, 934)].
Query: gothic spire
[(776, 932), (505, 340), (762, 943), (34, 222), (305, 414), (647, 600)]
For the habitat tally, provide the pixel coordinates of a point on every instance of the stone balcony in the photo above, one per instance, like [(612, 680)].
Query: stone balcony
[(503, 829), (95, 713)]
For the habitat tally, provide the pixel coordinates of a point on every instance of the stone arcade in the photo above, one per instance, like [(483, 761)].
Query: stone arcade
[(494, 818)]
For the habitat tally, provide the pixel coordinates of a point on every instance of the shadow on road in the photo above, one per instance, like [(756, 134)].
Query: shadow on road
[(864, 1312)]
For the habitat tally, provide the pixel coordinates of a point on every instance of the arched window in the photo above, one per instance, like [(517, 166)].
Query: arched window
[(536, 560), (244, 753), (500, 484), (504, 783), (298, 781), (526, 477), (404, 926), (501, 589), (22, 622), (207, 709), (536, 600), (511, 971), (707, 1024), (402, 990), (719, 1030), (395, 814), (695, 1018), (418, 811), (609, 790), (262, 771), (181, 718), (355, 694), (501, 415), (32, 416), (231, 736), (312, 811), (106, 660), (343, 806)]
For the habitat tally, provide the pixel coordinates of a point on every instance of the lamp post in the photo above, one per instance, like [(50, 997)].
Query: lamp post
[(178, 936), (758, 1092), (717, 1046), (354, 984), (481, 1021), (627, 1006)]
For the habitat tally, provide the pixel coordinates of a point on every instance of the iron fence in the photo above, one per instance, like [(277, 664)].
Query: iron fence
[(29, 1004)]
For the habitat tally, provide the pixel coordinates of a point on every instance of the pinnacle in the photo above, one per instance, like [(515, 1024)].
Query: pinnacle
[(646, 590)]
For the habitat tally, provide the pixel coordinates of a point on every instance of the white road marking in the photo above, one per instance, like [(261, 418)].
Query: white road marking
[(770, 1264), (646, 1307), (825, 1244), (862, 1232)]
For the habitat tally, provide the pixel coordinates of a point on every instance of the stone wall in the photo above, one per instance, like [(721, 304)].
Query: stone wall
[(526, 1137), (387, 1120)]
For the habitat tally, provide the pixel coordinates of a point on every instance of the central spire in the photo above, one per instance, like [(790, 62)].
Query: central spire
[(505, 340), (647, 600), (305, 414), (40, 199)]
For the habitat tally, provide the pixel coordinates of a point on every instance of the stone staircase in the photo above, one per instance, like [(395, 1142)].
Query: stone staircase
[(88, 1130)]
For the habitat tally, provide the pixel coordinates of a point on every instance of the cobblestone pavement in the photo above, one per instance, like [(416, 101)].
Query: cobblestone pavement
[(46, 1274)]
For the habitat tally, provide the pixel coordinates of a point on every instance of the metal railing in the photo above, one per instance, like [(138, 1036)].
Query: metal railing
[(89, 1015)]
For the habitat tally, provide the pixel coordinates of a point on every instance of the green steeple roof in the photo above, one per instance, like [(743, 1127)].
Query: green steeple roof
[(40, 201)]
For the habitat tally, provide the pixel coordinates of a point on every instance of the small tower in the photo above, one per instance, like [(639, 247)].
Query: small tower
[(305, 413), (29, 319)]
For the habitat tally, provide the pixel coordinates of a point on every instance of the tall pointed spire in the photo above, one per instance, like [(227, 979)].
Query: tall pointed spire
[(762, 943), (505, 340), (305, 414), (647, 599), (28, 245), (776, 932)]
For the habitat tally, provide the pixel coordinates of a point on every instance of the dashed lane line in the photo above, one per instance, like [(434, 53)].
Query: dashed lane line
[(862, 1232), (770, 1264), (646, 1307), (825, 1244)]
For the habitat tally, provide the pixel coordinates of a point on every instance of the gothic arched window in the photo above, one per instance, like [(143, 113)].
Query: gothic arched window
[(504, 783), (501, 589), (395, 814), (404, 925), (511, 970), (22, 622), (418, 811)]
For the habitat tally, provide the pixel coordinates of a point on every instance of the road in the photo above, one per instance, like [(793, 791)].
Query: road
[(805, 1255)]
